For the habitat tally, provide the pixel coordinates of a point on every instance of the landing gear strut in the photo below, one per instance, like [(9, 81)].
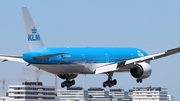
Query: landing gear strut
[(110, 82), (139, 80)]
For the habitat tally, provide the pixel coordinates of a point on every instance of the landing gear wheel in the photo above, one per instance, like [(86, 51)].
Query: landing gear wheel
[(73, 82), (114, 82), (62, 85), (110, 82), (139, 80), (67, 83), (104, 84)]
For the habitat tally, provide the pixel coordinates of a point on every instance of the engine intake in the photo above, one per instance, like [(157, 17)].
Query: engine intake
[(141, 70)]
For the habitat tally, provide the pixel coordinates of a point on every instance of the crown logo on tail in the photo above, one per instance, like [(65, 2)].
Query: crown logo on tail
[(34, 30)]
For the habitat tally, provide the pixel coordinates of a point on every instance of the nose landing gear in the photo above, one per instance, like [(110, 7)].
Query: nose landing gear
[(139, 80)]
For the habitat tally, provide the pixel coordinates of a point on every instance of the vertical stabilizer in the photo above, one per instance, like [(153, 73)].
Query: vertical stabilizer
[(34, 39)]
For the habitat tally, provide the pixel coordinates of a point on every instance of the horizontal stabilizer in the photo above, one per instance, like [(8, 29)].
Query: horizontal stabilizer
[(46, 56), (12, 58)]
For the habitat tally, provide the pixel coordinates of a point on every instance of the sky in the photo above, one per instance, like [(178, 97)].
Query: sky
[(152, 25)]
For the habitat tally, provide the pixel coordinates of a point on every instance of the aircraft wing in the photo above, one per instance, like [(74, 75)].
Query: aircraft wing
[(130, 63), (12, 58)]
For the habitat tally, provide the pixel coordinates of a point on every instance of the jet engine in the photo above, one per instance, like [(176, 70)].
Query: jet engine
[(67, 76), (141, 70)]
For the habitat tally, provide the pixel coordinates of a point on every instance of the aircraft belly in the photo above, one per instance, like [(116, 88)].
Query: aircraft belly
[(83, 68), (66, 68), (61, 68)]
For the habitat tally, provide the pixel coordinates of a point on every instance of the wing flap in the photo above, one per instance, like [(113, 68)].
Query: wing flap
[(107, 68)]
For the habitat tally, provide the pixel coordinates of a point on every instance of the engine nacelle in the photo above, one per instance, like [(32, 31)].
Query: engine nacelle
[(141, 70), (69, 76)]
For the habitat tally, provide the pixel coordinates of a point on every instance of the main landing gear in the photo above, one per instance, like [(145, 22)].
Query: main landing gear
[(67, 83), (110, 82)]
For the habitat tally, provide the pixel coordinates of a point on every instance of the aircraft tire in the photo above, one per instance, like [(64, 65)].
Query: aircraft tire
[(73, 82), (110, 84), (114, 81), (104, 84), (139, 80), (62, 85)]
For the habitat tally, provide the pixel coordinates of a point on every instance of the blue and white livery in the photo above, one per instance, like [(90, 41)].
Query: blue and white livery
[(67, 63)]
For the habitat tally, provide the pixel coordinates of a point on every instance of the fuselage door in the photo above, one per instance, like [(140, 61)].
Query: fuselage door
[(107, 57), (132, 55), (59, 59), (84, 57)]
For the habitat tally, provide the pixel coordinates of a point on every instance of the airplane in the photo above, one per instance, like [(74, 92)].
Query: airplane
[(68, 62)]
